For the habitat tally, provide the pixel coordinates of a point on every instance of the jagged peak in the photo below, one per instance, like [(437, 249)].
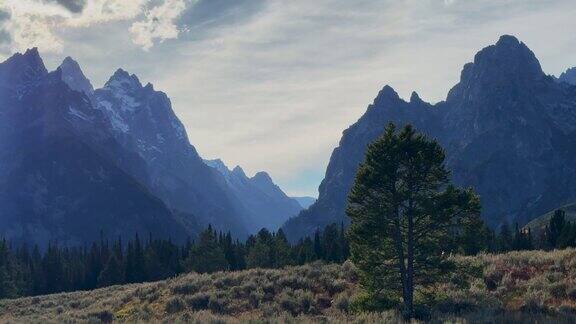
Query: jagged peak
[(262, 176), (73, 76), (386, 94), (510, 56), (508, 40), (30, 59), (123, 79), (507, 63), (415, 98), (239, 171)]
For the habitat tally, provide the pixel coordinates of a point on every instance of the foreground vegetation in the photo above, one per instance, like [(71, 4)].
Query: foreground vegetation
[(526, 286)]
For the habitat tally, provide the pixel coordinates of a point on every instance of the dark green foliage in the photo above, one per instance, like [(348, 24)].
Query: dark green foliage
[(112, 274), (405, 215), (24, 272), (557, 223), (207, 255)]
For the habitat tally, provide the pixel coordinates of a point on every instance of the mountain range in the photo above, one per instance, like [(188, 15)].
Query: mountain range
[(508, 130), (267, 204), (77, 163)]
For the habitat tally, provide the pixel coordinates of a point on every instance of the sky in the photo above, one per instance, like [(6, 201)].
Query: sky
[(271, 84)]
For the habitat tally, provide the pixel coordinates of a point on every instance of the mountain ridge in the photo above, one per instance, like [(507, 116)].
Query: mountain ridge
[(270, 207), (506, 127)]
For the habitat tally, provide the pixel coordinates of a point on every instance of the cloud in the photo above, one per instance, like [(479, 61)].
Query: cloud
[(159, 24), (74, 6), (41, 23), (209, 14)]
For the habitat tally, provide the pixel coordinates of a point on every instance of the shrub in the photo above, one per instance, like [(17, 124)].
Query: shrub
[(558, 289), (217, 304), (535, 302), (174, 305), (104, 317), (198, 301), (185, 289), (342, 302)]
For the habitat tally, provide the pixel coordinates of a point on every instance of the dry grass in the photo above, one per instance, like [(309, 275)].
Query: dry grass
[(514, 287)]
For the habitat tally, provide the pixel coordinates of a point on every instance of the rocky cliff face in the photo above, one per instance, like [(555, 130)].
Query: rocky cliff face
[(55, 182), (507, 127), (267, 204), (142, 120)]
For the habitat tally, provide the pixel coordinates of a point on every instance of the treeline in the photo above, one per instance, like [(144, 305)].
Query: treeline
[(557, 234), (29, 272)]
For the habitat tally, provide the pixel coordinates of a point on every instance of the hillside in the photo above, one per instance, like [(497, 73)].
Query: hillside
[(528, 287), (541, 222)]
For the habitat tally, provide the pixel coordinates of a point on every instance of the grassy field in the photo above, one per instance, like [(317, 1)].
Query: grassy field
[(523, 287)]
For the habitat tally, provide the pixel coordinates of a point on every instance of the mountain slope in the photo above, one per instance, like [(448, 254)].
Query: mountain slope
[(507, 129), (541, 222), (54, 184), (267, 204), (142, 120)]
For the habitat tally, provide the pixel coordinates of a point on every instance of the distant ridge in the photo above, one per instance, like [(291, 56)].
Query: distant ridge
[(268, 205)]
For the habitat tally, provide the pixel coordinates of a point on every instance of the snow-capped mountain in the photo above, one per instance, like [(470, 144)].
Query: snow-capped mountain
[(141, 119), (55, 182), (268, 205), (76, 160)]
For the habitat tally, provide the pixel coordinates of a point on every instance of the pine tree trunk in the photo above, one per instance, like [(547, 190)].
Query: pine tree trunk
[(409, 297), (401, 257)]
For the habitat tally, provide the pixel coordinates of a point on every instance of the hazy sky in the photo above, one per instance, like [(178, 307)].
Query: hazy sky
[(271, 84)]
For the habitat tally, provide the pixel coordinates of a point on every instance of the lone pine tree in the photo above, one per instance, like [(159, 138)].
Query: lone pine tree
[(404, 215)]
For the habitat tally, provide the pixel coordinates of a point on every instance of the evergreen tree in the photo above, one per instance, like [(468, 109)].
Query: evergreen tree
[(113, 274), (261, 253), (557, 223), (282, 253), (403, 210), (207, 256), (505, 239)]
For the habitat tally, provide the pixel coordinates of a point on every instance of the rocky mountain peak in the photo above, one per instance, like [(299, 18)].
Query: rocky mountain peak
[(123, 80), (22, 68), (503, 66), (73, 76), (569, 76), (415, 98), (387, 94), (238, 171), (218, 165), (262, 177)]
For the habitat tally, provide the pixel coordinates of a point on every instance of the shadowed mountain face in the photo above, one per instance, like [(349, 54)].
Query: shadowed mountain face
[(508, 130), (75, 161), (267, 204), (143, 122), (55, 182)]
